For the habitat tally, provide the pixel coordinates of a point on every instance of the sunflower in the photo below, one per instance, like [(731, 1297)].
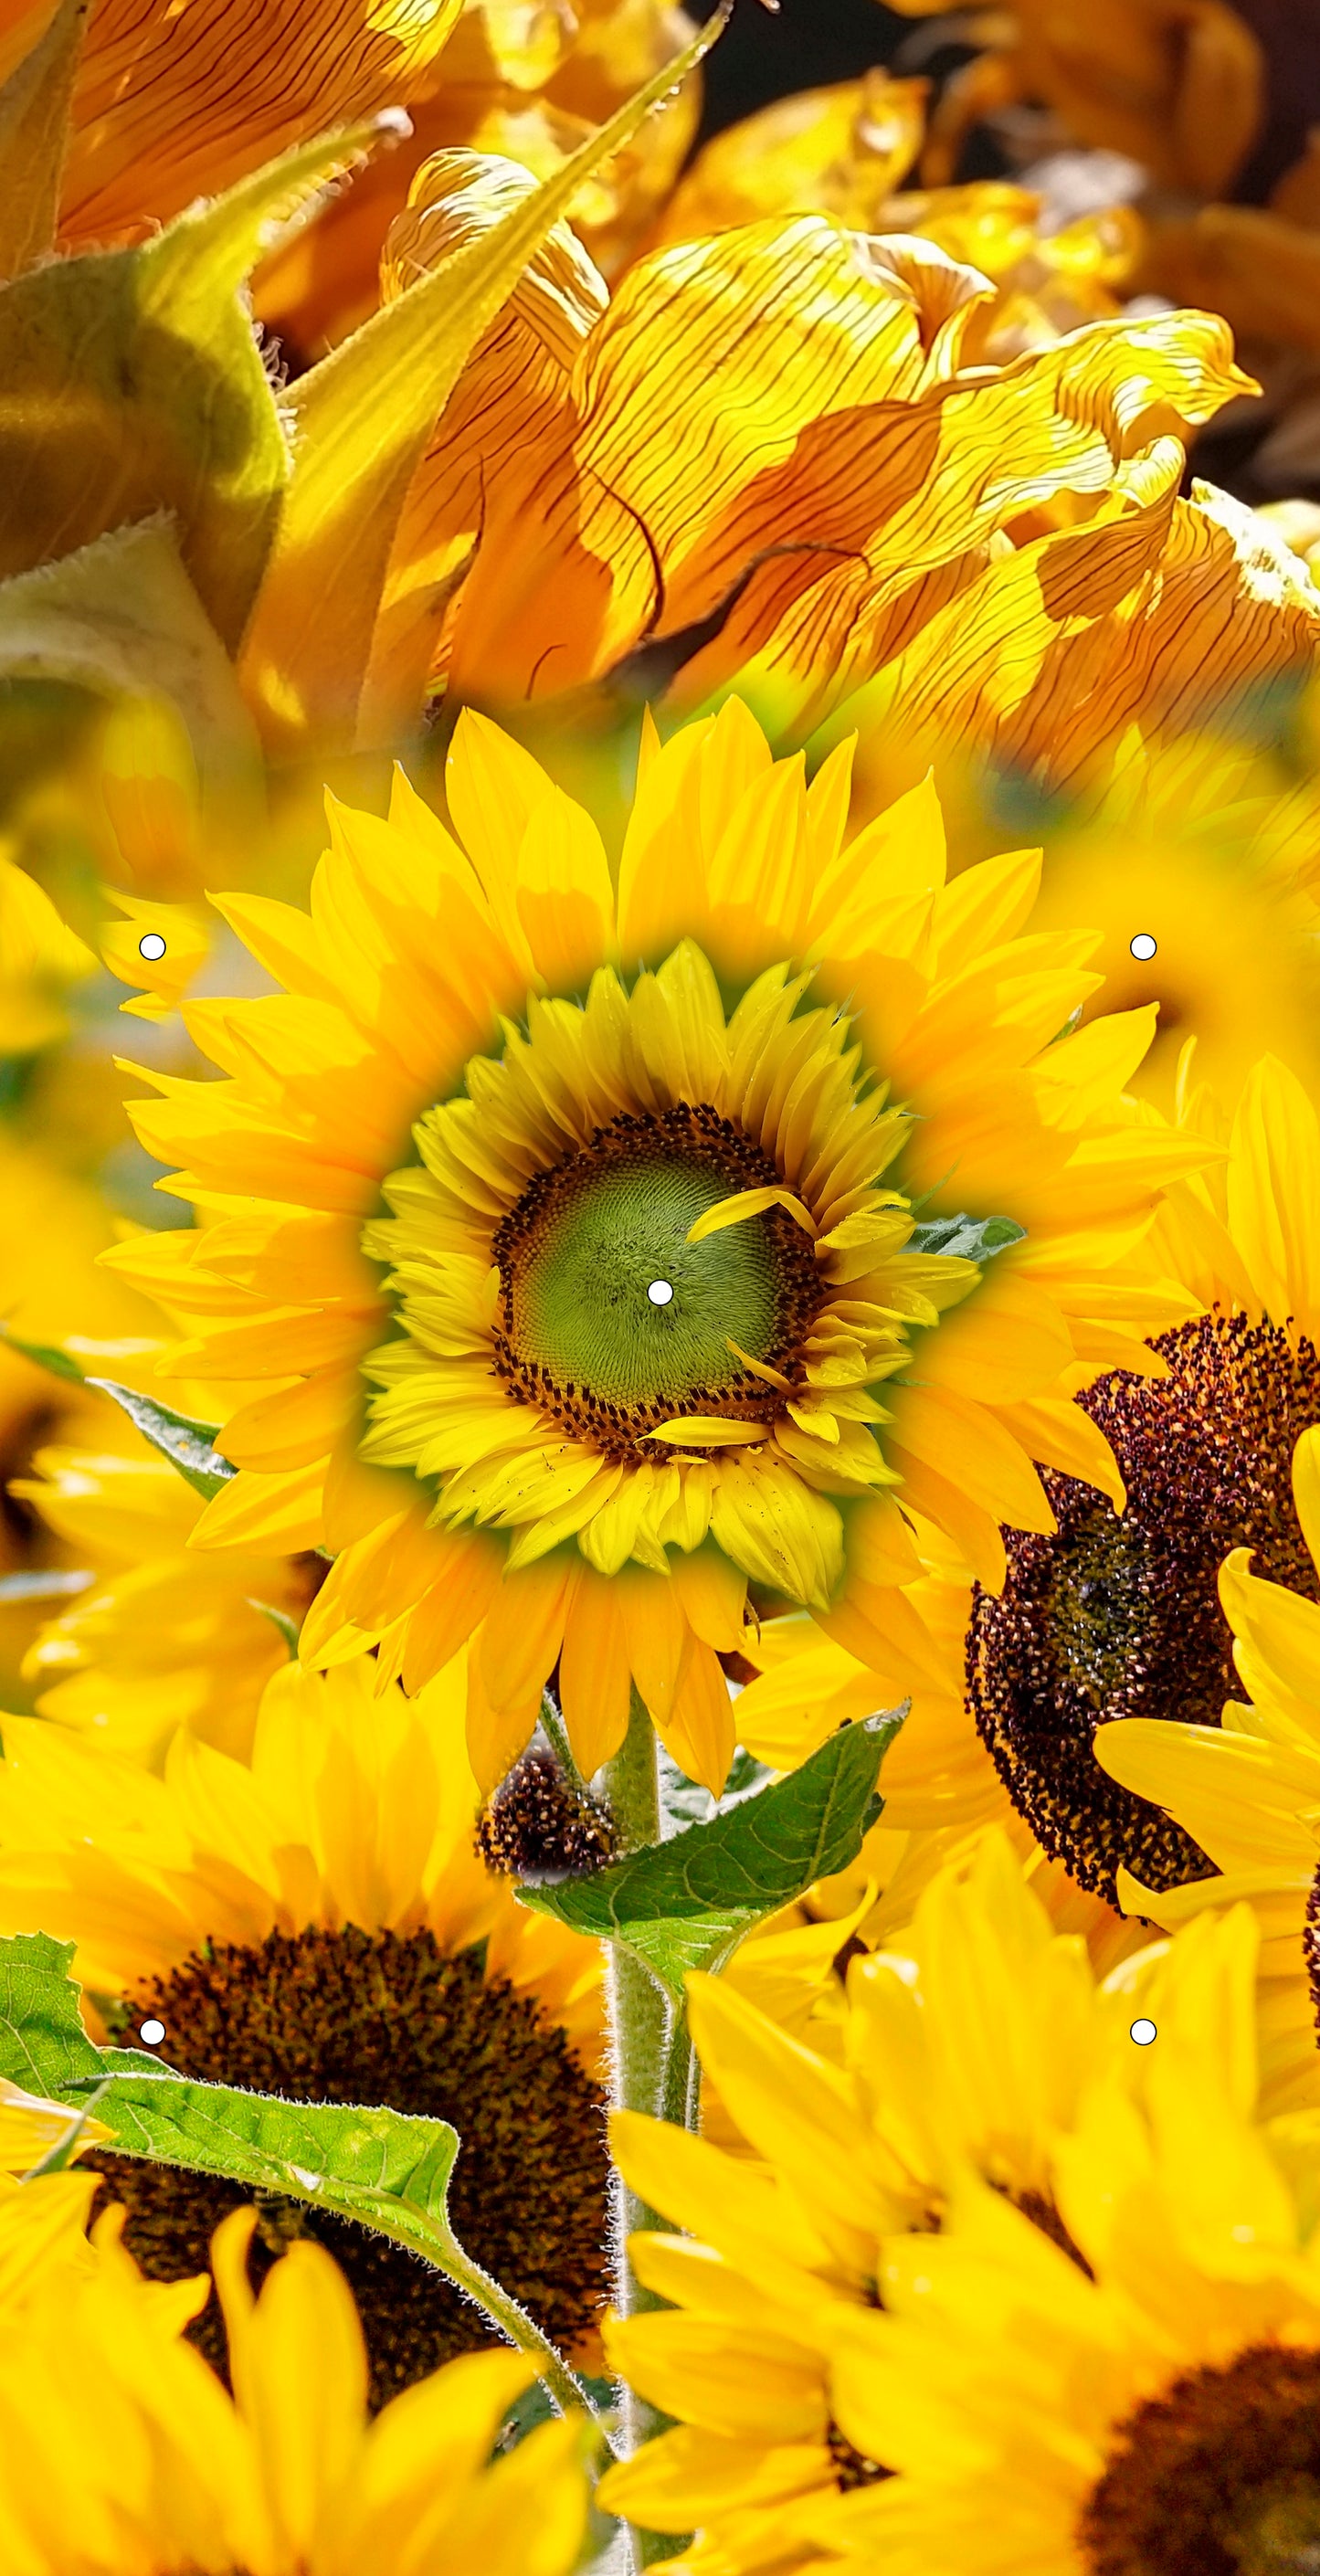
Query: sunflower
[(1113, 1617), (851, 479), (122, 2455), (1248, 1792), (976, 2042), (53, 1227), (575, 1224), (318, 1924), (1145, 2398), (1197, 866), (156, 1637)]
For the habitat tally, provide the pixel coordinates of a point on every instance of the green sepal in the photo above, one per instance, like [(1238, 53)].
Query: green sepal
[(133, 384), (967, 1238), (688, 1902), (188, 1445), (46, 1355)]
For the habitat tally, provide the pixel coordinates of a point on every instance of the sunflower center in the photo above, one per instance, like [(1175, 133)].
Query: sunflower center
[(1120, 1617), (350, 2016), (611, 1320), (1219, 2477)]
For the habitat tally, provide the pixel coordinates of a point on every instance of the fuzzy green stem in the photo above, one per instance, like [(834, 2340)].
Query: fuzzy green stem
[(639, 2014), (639, 2063)]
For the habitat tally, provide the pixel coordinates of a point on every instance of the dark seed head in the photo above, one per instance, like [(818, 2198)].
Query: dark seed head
[(539, 1825), (1218, 2477), (1119, 1616), (351, 2016)]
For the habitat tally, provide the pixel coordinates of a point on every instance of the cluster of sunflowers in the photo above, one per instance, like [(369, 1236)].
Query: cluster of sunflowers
[(660, 1524)]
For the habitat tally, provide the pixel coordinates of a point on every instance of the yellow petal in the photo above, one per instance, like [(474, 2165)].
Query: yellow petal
[(745, 1203)]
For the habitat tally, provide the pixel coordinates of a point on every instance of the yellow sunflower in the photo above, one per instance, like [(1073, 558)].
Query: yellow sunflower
[(1146, 2398), (53, 1227), (1118, 1617), (121, 2454), (1197, 865), (977, 2040), (319, 1924), (156, 1637), (572, 1217), (1248, 1793)]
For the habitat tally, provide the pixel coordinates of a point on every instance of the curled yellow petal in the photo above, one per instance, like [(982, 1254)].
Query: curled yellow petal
[(760, 1368), (745, 1203), (706, 1431)]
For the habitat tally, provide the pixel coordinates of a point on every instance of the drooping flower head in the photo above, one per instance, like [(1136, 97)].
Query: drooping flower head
[(573, 1212)]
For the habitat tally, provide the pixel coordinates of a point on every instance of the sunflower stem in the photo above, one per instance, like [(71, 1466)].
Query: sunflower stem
[(640, 2062)]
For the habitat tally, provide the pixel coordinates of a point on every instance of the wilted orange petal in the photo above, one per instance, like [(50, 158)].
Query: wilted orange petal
[(178, 98)]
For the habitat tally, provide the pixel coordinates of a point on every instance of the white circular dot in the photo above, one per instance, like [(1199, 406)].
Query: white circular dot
[(153, 2032), (151, 946), (660, 1292), (1143, 2032), (1144, 946)]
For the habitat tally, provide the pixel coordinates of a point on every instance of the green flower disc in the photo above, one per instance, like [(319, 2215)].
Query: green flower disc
[(612, 1319)]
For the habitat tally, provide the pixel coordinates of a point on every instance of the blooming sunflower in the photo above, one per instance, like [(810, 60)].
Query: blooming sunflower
[(156, 1637), (318, 1924), (1113, 1618), (1248, 1792), (574, 1220), (53, 1227), (1146, 2401), (1197, 865), (121, 2454), (976, 2042)]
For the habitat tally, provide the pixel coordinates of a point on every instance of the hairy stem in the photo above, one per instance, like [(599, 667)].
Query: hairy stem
[(639, 2060)]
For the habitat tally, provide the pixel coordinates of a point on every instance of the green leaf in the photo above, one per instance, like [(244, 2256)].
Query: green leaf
[(683, 1802), (131, 383), (336, 2155), (42, 2041), (387, 2169), (688, 1902), (188, 1445), (362, 420), (971, 1238), (120, 616), (34, 128)]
